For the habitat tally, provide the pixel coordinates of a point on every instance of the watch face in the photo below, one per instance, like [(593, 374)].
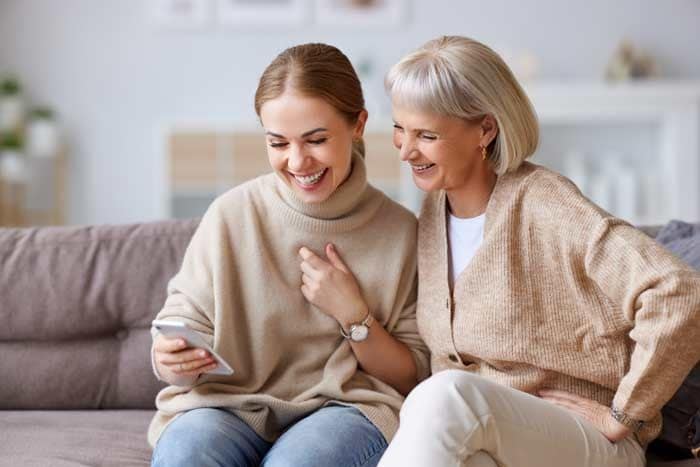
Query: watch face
[(359, 332)]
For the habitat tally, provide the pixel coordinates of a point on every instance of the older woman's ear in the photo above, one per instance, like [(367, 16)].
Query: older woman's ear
[(489, 130)]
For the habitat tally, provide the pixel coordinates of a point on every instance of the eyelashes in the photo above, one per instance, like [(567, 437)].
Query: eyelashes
[(315, 142), (424, 136)]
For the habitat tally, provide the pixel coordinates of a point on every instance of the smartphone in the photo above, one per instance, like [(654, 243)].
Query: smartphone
[(178, 329)]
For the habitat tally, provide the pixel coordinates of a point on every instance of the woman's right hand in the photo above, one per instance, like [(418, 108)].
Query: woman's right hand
[(178, 364)]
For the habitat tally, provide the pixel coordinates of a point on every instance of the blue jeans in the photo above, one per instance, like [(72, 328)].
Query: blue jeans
[(335, 435)]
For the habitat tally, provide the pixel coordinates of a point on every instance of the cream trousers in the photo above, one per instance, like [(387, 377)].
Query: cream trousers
[(458, 419)]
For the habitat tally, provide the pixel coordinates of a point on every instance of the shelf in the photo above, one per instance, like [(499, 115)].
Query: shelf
[(651, 129)]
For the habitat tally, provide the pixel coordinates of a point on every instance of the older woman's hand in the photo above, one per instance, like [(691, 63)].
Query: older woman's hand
[(597, 414), (331, 286)]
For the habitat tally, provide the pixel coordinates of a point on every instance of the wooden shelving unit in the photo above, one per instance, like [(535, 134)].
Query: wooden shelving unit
[(203, 162), (39, 201), (651, 129)]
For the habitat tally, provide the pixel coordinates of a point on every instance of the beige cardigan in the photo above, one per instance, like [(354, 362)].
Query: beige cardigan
[(239, 286), (560, 295)]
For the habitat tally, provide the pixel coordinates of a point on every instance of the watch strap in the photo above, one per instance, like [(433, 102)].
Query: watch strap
[(367, 322), (631, 423)]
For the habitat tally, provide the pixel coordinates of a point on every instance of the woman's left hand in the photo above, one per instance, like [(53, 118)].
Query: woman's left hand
[(331, 286), (597, 414)]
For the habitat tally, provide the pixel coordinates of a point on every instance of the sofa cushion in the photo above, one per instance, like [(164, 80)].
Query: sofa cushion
[(683, 240), (681, 427), (76, 307), (75, 438)]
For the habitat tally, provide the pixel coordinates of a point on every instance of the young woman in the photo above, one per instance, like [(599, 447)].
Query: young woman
[(304, 280), (557, 332)]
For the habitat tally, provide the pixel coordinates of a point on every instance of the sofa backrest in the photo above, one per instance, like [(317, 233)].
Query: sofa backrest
[(76, 305)]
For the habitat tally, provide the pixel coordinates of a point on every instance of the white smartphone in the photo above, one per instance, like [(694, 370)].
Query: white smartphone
[(193, 339)]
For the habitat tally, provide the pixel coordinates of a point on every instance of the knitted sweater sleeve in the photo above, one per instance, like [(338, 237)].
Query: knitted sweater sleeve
[(190, 296), (403, 324), (406, 330), (659, 301)]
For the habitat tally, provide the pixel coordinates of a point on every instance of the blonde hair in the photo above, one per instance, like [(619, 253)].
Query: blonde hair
[(460, 77), (315, 70)]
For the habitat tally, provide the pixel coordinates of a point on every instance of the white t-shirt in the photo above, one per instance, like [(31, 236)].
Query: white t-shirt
[(465, 237)]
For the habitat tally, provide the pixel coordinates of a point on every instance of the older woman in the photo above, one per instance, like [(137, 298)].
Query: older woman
[(557, 331)]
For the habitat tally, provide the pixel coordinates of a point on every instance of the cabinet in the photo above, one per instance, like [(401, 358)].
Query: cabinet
[(633, 148), (204, 160), (38, 200)]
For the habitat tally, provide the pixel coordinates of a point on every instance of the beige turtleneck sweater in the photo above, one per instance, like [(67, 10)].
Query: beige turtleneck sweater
[(239, 286), (560, 295)]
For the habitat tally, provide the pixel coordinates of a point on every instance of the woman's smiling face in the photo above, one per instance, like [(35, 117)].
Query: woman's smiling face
[(443, 151), (309, 143)]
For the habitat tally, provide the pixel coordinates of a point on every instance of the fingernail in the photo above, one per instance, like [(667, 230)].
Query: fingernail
[(181, 343), (202, 353)]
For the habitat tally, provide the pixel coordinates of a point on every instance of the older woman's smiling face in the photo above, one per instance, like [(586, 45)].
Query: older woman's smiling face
[(443, 151), (309, 143)]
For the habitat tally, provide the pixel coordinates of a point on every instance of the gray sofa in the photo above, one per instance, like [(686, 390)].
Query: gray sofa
[(76, 387)]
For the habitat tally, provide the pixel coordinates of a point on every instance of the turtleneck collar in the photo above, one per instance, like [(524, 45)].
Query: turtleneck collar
[(339, 204)]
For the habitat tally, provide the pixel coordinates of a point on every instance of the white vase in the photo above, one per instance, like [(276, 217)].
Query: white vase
[(11, 113), (43, 138), (601, 191), (13, 167), (627, 193), (575, 168)]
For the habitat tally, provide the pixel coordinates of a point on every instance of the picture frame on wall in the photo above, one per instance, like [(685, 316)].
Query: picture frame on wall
[(360, 13), (246, 13), (181, 14)]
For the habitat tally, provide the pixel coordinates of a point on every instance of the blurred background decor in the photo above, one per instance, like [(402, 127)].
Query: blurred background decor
[(160, 123), (32, 166), (628, 62), (360, 13), (181, 14), (261, 12)]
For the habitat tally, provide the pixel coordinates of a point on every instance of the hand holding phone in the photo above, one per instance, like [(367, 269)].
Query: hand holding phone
[(192, 359)]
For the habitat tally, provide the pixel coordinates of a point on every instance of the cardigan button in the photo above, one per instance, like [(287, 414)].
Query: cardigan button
[(453, 358)]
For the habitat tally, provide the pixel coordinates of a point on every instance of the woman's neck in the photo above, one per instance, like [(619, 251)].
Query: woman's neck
[(471, 198)]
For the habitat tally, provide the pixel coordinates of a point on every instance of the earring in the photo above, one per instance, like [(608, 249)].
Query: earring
[(483, 153)]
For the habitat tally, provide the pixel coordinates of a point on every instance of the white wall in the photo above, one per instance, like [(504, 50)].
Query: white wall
[(113, 76)]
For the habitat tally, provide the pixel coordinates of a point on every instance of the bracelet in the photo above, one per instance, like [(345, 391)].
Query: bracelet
[(629, 422)]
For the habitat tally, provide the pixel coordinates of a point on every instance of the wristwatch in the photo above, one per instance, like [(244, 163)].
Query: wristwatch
[(358, 331), (626, 420)]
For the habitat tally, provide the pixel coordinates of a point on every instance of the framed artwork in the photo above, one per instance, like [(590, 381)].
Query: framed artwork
[(360, 13), (261, 12), (181, 14)]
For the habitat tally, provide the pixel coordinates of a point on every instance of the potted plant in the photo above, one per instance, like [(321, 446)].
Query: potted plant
[(11, 105), (42, 135), (13, 166)]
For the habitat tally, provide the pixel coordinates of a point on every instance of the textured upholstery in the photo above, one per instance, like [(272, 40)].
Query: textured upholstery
[(75, 307), (105, 438)]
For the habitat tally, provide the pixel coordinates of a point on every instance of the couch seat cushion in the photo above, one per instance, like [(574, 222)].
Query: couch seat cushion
[(67, 438)]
